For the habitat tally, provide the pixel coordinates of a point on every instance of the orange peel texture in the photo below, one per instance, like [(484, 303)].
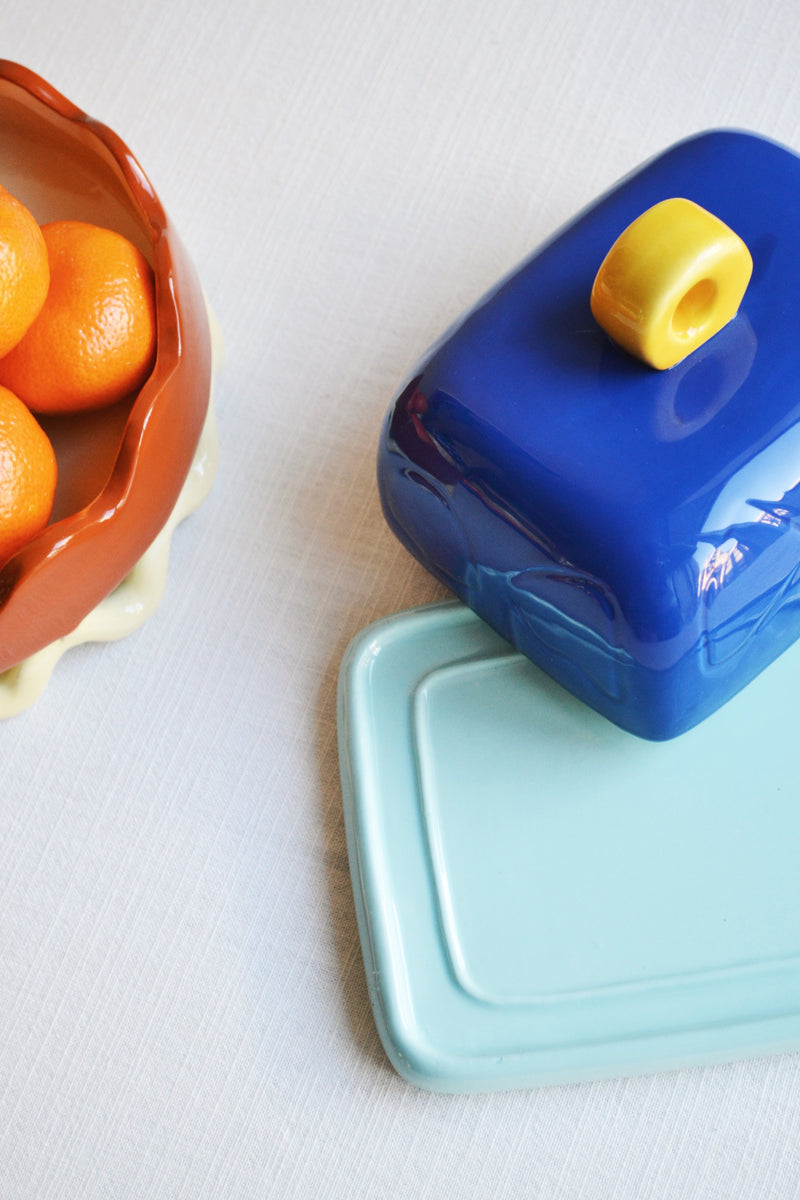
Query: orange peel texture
[(94, 339)]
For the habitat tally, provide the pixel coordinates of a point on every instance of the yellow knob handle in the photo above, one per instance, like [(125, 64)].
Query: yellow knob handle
[(671, 280)]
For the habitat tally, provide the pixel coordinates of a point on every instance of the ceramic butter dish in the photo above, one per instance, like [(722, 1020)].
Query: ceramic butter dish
[(633, 531), (543, 898)]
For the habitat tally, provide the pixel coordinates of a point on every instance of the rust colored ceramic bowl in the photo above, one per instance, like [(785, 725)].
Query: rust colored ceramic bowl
[(122, 469)]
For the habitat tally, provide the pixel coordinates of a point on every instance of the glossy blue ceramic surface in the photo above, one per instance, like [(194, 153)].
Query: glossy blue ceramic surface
[(632, 531)]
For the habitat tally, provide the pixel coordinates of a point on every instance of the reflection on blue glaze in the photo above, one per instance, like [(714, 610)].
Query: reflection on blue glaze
[(634, 532)]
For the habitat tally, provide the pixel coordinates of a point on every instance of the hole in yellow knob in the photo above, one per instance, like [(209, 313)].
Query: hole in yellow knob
[(695, 310), (671, 280)]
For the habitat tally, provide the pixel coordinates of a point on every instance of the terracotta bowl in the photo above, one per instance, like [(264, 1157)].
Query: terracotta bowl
[(121, 470)]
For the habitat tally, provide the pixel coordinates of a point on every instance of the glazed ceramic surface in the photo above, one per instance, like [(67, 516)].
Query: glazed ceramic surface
[(543, 897), (671, 280), (632, 531), (139, 593), (121, 470)]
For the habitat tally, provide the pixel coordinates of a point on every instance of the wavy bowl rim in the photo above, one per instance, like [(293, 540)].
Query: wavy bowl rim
[(175, 284)]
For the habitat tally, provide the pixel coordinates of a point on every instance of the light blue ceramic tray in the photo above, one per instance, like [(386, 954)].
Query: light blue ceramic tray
[(543, 897)]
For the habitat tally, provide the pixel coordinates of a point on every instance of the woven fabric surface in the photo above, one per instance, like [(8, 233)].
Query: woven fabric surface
[(183, 1005)]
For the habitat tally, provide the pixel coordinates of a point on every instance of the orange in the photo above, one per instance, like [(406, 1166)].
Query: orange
[(94, 340), (27, 475), (24, 273)]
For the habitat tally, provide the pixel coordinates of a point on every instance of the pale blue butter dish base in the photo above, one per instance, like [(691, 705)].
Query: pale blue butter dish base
[(543, 897)]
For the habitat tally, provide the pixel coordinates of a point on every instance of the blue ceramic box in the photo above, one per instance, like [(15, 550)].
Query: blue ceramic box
[(632, 531)]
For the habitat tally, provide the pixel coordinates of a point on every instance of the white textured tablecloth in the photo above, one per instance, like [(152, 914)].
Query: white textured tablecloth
[(183, 1009)]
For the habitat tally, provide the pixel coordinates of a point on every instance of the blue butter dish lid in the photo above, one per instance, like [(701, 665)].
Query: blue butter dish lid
[(543, 897), (633, 531)]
